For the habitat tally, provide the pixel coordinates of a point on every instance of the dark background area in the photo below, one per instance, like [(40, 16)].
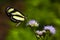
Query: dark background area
[(4, 26)]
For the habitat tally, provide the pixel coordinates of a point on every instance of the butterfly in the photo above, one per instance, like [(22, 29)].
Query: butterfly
[(15, 15)]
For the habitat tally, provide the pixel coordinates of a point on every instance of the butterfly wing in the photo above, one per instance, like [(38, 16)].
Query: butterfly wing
[(15, 15)]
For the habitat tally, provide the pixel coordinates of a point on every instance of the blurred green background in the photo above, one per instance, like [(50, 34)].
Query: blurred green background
[(46, 12)]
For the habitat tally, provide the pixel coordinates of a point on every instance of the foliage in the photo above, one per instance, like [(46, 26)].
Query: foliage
[(46, 12)]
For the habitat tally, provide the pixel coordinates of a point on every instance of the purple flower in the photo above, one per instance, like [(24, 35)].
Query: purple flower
[(33, 23), (50, 28)]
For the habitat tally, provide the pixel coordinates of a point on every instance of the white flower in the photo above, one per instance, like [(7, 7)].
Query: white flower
[(40, 32), (33, 23), (43, 31), (50, 28)]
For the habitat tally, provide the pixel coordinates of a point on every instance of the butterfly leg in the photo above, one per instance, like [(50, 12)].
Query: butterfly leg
[(18, 24)]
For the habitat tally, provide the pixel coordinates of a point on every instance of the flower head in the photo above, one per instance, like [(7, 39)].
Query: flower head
[(50, 28), (40, 32), (33, 23)]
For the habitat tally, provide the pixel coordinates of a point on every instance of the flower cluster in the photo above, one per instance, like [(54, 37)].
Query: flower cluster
[(33, 23), (50, 28), (40, 32)]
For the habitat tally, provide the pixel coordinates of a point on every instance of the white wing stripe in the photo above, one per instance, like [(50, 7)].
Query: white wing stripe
[(10, 10), (18, 18), (17, 13)]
